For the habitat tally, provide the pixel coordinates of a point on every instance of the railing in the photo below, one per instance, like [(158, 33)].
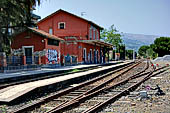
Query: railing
[(14, 60), (18, 68), (74, 60), (15, 64), (70, 60)]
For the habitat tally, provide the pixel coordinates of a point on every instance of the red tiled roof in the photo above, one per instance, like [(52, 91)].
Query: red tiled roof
[(45, 34), (60, 10)]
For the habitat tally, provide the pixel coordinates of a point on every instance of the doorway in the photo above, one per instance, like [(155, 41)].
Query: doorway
[(84, 55), (28, 52), (97, 56), (90, 55)]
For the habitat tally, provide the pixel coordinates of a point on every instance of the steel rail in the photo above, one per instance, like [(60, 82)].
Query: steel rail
[(48, 98), (62, 107), (124, 92)]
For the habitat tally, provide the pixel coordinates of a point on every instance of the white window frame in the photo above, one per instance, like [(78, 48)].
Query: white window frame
[(23, 48), (50, 31), (61, 23)]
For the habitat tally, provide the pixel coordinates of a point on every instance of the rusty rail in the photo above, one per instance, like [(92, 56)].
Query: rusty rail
[(44, 100), (62, 108), (124, 92), (85, 96)]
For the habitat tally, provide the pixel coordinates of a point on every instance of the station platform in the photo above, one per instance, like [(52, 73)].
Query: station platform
[(44, 70), (13, 92), (6, 77)]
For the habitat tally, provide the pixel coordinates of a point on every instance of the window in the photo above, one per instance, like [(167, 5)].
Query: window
[(53, 42), (61, 25), (90, 33), (97, 35), (94, 34), (50, 31)]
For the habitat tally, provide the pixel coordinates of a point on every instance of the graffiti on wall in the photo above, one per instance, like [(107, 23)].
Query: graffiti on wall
[(52, 55)]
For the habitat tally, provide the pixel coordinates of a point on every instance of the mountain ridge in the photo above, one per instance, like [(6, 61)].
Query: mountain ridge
[(135, 41)]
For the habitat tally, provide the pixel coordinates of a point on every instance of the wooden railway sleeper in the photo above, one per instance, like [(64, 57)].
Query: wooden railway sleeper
[(67, 105), (131, 88)]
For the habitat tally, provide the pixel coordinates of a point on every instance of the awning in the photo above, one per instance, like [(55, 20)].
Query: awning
[(98, 43)]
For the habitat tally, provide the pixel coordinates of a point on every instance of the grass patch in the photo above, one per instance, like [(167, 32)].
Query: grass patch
[(75, 70)]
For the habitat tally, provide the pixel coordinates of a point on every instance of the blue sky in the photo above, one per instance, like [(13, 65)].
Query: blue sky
[(150, 17)]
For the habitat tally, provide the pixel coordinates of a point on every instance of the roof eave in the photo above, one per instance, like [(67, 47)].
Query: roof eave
[(101, 28), (50, 37)]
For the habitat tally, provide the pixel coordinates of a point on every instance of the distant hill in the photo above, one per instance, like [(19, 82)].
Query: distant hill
[(134, 41)]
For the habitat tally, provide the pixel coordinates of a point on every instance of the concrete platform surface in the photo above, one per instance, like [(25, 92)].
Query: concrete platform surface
[(10, 93)]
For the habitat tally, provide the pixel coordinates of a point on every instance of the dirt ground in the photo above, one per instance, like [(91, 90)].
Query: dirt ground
[(134, 103)]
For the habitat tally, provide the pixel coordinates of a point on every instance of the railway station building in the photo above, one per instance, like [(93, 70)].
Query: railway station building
[(34, 42), (64, 38)]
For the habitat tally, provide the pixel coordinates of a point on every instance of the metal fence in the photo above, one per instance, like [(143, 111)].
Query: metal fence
[(14, 60), (15, 64), (18, 68), (74, 60), (70, 60)]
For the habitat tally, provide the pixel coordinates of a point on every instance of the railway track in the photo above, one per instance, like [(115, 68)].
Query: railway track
[(41, 94), (79, 90), (85, 102), (106, 105), (31, 79), (96, 100)]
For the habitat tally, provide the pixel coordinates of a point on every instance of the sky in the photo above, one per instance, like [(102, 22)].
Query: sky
[(149, 17)]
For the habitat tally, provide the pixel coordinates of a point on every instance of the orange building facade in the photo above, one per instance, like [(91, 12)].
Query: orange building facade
[(81, 37), (63, 38), (33, 42)]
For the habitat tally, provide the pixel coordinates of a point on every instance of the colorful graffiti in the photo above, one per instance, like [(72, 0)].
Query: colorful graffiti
[(52, 55)]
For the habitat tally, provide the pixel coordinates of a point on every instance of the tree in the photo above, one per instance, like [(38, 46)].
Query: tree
[(150, 53), (147, 51), (161, 46), (14, 14), (112, 36), (142, 50), (122, 51), (129, 54)]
